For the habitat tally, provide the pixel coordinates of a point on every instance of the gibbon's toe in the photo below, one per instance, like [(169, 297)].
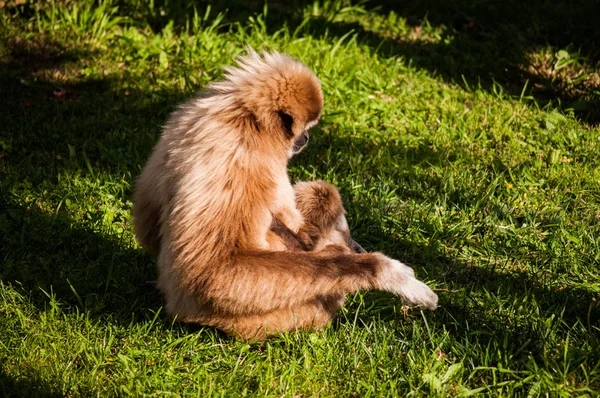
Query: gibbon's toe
[(319, 202)]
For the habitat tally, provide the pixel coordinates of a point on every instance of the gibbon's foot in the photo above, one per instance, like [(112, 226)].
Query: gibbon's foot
[(400, 279)]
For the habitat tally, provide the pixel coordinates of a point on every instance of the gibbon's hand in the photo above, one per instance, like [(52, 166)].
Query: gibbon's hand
[(400, 279), (304, 240), (309, 235)]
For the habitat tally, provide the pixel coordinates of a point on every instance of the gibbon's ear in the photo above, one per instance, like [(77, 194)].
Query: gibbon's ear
[(286, 123)]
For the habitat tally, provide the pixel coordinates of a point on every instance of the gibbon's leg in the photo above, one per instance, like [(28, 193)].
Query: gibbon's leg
[(331, 235), (270, 292), (255, 284), (312, 315)]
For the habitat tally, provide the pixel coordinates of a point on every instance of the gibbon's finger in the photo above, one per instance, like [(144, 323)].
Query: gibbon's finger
[(309, 235), (289, 239)]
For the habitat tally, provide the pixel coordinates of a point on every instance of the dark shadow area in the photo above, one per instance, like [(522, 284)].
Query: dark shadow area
[(25, 386), (484, 44), (83, 128), (89, 270), (66, 120), (488, 44)]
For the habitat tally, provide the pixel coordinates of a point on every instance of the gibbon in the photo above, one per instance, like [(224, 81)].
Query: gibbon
[(215, 185), (323, 213)]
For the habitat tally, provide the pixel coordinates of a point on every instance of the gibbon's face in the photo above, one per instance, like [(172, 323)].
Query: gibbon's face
[(299, 110), (298, 141)]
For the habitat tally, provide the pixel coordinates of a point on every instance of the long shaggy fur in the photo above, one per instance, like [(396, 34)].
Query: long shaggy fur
[(207, 198)]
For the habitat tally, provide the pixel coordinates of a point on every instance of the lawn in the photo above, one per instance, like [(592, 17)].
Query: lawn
[(464, 138)]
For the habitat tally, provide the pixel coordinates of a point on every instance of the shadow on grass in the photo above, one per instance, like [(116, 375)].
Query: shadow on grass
[(64, 118), (490, 44), (486, 44), (25, 386), (90, 131), (89, 270)]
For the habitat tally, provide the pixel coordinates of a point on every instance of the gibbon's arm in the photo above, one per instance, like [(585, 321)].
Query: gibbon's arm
[(257, 282), (289, 240)]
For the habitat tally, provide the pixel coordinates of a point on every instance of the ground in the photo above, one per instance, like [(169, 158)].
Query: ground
[(462, 135)]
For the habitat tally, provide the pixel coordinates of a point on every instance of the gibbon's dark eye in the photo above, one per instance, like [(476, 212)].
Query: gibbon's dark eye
[(286, 123)]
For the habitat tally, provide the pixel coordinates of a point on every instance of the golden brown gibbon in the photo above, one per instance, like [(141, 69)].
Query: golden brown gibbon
[(324, 220), (207, 197)]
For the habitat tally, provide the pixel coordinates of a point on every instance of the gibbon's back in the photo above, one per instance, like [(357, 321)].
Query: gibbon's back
[(215, 167)]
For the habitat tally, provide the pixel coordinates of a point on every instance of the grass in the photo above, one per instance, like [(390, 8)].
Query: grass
[(463, 137)]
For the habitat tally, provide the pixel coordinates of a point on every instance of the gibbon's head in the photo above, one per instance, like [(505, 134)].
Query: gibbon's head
[(276, 98)]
